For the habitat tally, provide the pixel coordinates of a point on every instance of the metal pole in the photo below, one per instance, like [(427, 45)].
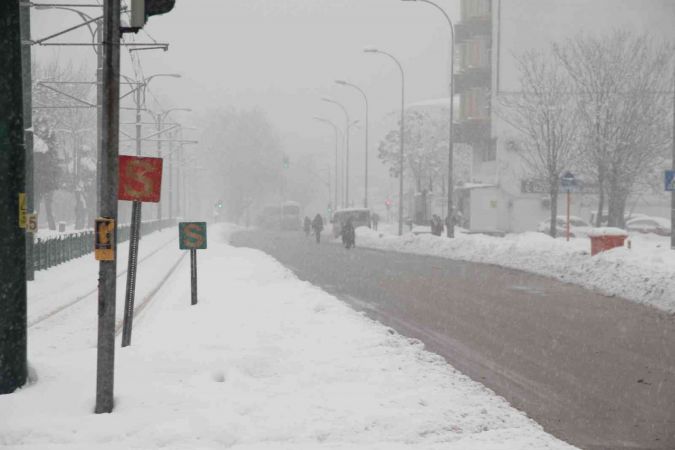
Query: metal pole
[(28, 127), (672, 194), (336, 166), (105, 364), (171, 177), (365, 195), (451, 153), (193, 276), (13, 340), (401, 159), (134, 239), (347, 160), (159, 155), (567, 226)]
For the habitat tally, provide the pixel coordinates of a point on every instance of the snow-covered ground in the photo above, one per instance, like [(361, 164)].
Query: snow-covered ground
[(643, 273), (264, 361)]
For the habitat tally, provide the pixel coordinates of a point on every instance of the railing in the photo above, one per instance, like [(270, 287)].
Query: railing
[(56, 250)]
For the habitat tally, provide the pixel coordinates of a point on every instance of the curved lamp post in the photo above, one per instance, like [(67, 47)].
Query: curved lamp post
[(451, 217), (347, 125), (365, 99), (402, 134), (337, 137)]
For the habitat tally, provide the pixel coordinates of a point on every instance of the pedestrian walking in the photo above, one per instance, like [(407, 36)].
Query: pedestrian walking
[(317, 226), (349, 234), (375, 218)]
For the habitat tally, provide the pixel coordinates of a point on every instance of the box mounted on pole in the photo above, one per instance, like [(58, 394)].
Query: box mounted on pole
[(142, 9)]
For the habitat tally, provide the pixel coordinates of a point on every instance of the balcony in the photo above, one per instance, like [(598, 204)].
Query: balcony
[(466, 30), (480, 77), (472, 132)]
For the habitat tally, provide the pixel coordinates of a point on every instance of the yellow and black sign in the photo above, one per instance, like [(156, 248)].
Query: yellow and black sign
[(104, 249), (31, 223), (22, 210)]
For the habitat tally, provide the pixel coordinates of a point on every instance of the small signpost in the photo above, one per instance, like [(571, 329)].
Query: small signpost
[(32, 223), (192, 236), (568, 182), (104, 248), (22, 210), (140, 180)]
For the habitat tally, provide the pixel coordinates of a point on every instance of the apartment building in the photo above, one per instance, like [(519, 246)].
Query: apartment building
[(489, 36)]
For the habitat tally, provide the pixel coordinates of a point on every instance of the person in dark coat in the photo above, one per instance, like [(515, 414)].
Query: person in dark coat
[(317, 226), (375, 219), (349, 234), (436, 225)]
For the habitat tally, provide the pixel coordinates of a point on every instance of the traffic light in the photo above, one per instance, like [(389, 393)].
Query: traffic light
[(219, 205), (142, 9), (287, 162)]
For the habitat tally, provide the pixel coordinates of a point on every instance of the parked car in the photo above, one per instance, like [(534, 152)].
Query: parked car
[(578, 226), (656, 225)]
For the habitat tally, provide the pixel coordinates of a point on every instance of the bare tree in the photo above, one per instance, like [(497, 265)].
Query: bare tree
[(545, 116), (619, 84), (63, 111), (244, 159)]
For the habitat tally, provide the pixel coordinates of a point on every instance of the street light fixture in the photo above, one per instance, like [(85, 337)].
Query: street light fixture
[(401, 136), (450, 221), (365, 99), (347, 125), (337, 131), (160, 118)]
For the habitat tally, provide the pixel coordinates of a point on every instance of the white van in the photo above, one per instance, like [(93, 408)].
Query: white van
[(360, 218)]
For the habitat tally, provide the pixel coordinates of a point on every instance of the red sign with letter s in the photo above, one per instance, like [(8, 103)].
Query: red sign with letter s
[(140, 179)]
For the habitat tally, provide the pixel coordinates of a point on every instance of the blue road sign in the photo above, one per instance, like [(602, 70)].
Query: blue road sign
[(670, 180), (568, 181)]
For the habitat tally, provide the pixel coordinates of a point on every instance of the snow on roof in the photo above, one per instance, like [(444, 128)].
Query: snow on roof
[(39, 146), (607, 231), (442, 102), (476, 186), (352, 210)]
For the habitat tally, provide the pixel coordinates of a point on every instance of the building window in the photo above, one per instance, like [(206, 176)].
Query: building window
[(475, 9), (475, 104)]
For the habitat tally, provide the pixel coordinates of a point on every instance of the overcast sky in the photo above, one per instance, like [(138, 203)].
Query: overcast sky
[(283, 55)]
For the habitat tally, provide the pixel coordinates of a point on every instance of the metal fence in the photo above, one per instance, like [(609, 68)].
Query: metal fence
[(56, 250)]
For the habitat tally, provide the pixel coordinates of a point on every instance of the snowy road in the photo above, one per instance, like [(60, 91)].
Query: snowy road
[(263, 362), (595, 371)]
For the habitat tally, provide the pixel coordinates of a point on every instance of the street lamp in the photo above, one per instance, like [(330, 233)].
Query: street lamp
[(451, 217), (365, 99), (401, 137), (159, 120), (337, 131), (347, 125)]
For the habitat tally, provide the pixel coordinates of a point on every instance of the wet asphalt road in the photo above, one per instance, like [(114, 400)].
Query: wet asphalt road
[(595, 371)]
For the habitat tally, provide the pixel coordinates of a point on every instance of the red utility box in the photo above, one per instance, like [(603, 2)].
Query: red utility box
[(603, 239)]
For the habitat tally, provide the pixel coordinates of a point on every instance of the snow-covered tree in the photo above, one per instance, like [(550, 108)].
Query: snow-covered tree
[(545, 115), (620, 84)]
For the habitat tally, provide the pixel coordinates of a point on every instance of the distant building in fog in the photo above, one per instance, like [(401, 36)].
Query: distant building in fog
[(489, 35)]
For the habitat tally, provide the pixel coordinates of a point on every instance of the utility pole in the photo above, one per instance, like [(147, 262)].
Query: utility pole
[(134, 237), (13, 341), (28, 127), (108, 181), (672, 194), (159, 155)]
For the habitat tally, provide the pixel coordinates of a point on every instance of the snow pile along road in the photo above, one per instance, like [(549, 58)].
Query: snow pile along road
[(264, 361), (643, 273)]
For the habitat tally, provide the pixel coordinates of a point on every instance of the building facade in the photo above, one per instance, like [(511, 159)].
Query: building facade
[(489, 37)]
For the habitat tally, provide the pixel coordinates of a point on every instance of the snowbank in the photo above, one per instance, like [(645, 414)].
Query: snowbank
[(643, 274), (264, 361)]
